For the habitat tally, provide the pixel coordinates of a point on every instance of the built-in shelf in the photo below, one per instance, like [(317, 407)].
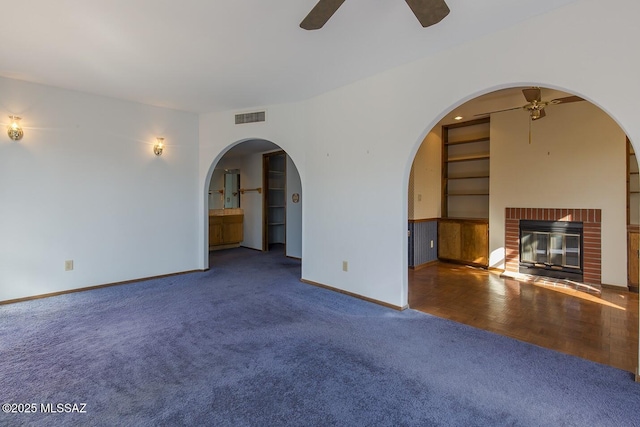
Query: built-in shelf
[(633, 217), (633, 186), (465, 169), (275, 198), (467, 158), (469, 177), (468, 141)]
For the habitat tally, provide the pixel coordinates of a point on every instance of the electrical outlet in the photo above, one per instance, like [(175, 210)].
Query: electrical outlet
[(345, 266), (68, 265)]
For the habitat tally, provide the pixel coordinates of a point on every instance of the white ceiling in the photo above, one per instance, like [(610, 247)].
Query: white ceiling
[(213, 55)]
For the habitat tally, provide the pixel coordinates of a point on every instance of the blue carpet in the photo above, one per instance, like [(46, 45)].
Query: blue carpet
[(247, 344)]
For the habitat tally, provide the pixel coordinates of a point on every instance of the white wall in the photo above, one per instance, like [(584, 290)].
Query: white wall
[(576, 159), (356, 144), (218, 133), (426, 194), (84, 185)]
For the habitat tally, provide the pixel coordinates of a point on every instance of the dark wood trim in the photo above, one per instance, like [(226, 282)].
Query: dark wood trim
[(91, 288), (351, 294), (413, 221), (444, 171), (294, 257), (467, 220), (265, 197), (628, 161)]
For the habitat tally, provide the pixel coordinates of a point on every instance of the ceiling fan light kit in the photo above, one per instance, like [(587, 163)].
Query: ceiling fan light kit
[(428, 12)]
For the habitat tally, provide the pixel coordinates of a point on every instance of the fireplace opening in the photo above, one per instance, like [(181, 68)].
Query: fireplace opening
[(552, 249)]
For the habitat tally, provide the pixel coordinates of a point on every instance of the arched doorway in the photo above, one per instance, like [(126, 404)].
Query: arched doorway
[(238, 186), (497, 162)]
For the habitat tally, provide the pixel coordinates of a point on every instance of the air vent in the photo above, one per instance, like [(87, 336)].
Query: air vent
[(258, 116)]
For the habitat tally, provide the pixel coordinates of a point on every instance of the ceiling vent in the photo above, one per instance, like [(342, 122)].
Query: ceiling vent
[(258, 116)]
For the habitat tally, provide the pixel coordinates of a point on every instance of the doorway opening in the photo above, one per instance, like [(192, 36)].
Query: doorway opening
[(491, 163), (239, 198)]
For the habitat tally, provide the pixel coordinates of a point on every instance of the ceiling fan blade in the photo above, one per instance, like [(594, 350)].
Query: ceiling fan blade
[(566, 99), (532, 94), (429, 12), (320, 14)]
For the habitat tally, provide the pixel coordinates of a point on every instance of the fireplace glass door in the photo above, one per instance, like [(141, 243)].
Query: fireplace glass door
[(551, 249)]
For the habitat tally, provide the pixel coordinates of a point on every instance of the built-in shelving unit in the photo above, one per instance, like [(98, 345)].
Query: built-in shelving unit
[(633, 219), (465, 169), (633, 186), (275, 208)]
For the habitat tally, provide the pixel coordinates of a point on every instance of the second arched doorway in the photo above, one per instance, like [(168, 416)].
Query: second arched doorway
[(477, 179), (258, 183)]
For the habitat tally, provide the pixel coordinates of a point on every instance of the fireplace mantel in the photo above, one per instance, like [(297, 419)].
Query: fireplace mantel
[(592, 229)]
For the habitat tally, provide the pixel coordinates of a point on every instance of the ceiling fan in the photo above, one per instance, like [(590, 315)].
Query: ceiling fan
[(535, 105), (428, 12)]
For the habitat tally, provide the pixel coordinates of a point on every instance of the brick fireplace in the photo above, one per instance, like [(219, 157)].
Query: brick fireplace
[(592, 230)]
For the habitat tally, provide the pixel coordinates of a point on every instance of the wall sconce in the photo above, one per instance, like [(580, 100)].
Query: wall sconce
[(159, 146), (14, 130)]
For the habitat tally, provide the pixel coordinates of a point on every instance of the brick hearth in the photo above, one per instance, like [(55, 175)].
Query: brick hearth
[(592, 230)]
